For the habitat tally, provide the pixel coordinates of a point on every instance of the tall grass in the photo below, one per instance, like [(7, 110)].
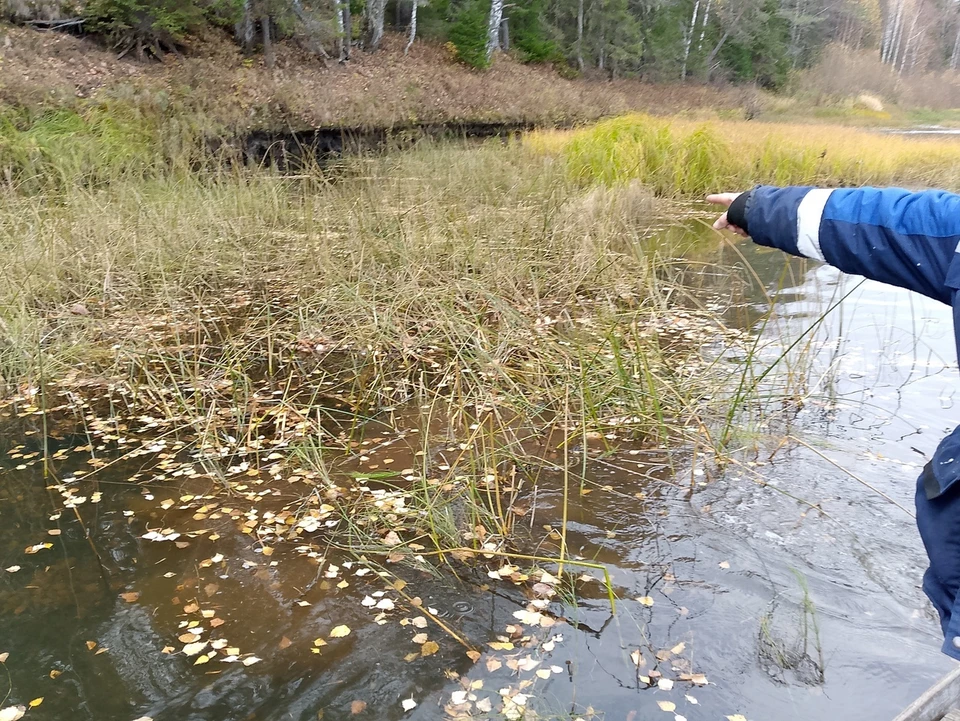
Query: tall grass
[(681, 157), (481, 287)]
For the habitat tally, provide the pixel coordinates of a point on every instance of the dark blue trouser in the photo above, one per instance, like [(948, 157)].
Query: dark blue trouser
[(939, 522)]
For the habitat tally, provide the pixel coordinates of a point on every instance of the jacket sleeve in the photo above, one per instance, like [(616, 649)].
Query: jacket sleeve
[(895, 236), (907, 239)]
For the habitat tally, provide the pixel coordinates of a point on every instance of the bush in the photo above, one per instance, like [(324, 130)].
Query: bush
[(469, 33)]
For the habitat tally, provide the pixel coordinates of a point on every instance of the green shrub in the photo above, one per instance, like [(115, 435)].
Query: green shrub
[(469, 33)]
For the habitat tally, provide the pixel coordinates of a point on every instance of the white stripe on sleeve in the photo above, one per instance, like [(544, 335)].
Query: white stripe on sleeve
[(808, 222)]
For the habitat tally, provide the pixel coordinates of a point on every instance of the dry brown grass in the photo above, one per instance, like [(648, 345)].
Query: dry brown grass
[(843, 75), (381, 89)]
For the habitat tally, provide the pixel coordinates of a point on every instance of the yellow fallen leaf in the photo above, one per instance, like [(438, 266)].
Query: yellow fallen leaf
[(91, 645), (340, 632), (131, 596), (473, 655), (501, 645), (188, 638), (724, 565), (55, 672), (678, 649), (668, 706), (201, 660), (645, 600), (357, 707), (429, 648), (36, 702), (737, 717)]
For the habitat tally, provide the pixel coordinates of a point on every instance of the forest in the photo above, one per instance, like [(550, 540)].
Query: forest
[(753, 41)]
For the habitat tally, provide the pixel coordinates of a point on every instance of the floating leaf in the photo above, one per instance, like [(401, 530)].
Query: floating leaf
[(201, 660), (285, 643), (665, 684), (636, 657), (192, 649), (357, 706), (419, 622), (737, 717), (12, 713), (429, 648), (724, 565), (408, 705), (250, 660), (678, 649), (91, 645), (130, 596), (12, 569), (420, 638), (36, 702), (340, 632), (668, 706), (646, 600), (474, 655)]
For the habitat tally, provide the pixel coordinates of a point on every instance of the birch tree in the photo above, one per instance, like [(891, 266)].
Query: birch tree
[(688, 39), (413, 26), (493, 27), (375, 13)]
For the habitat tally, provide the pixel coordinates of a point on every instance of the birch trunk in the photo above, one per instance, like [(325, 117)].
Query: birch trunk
[(413, 27), (898, 38), (493, 27), (703, 27), (894, 33), (376, 11), (246, 27), (911, 38), (688, 38), (347, 29), (341, 39), (580, 35)]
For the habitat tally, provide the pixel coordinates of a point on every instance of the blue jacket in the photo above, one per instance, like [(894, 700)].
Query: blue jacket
[(907, 239)]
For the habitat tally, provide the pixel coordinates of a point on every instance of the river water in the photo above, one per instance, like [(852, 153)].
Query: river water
[(787, 582)]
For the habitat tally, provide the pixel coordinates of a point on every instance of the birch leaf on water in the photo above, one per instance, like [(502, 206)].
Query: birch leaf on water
[(12, 713), (340, 632)]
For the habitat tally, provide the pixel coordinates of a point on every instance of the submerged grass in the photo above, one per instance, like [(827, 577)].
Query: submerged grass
[(478, 294), (682, 157)]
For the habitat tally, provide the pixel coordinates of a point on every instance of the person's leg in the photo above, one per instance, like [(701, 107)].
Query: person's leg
[(939, 522)]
